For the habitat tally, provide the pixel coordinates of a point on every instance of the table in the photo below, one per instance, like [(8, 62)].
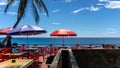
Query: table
[(13, 55), (39, 47), (30, 51), (20, 63)]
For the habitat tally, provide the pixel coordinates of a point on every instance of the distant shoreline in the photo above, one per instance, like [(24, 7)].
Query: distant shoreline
[(55, 37)]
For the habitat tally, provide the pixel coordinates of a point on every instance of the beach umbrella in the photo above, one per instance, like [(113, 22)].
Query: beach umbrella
[(4, 31), (63, 32), (27, 30)]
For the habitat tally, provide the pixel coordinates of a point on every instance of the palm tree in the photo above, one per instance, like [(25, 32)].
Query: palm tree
[(37, 6)]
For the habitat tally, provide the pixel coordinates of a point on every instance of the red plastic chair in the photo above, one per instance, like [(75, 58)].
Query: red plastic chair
[(7, 50), (20, 48), (55, 50), (27, 47), (72, 47), (77, 46), (1, 59), (4, 58), (44, 51), (51, 50)]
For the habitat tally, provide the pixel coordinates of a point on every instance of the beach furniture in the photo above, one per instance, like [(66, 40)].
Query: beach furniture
[(14, 46), (20, 48), (13, 55), (26, 47), (36, 58), (55, 50), (63, 33), (4, 31), (30, 51), (44, 51), (38, 46), (51, 49), (1, 58), (4, 51), (108, 46), (1, 49), (19, 63), (77, 46), (27, 30)]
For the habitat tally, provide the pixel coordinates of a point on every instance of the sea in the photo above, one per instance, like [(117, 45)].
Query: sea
[(68, 41)]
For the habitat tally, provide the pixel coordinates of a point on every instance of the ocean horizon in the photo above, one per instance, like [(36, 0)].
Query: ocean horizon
[(68, 41)]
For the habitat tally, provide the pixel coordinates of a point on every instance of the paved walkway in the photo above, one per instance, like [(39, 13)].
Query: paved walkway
[(44, 65)]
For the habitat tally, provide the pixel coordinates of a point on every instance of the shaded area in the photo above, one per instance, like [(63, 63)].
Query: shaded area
[(97, 58), (50, 59), (65, 59)]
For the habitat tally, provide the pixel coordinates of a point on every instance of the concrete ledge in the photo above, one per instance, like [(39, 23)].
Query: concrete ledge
[(64, 58), (56, 60), (73, 60)]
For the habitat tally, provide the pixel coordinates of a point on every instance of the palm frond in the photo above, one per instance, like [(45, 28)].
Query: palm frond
[(44, 7), (38, 4), (21, 8), (21, 11), (35, 12), (9, 2), (41, 5)]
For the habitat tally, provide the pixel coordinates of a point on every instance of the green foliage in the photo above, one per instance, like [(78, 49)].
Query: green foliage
[(37, 6)]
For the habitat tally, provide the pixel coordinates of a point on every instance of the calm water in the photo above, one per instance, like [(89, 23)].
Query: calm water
[(67, 41)]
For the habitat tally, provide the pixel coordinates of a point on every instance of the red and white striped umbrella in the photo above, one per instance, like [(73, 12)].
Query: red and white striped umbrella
[(4, 31), (63, 32)]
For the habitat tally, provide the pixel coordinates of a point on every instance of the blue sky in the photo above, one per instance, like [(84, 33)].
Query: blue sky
[(87, 18)]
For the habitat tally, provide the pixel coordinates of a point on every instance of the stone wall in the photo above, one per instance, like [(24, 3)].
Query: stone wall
[(97, 58)]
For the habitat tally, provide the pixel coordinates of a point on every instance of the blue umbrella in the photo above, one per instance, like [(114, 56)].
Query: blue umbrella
[(27, 30)]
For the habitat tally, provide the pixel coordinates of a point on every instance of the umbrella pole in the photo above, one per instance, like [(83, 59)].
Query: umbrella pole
[(63, 41), (27, 40)]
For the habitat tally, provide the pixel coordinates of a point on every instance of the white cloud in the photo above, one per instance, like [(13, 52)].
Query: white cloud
[(56, 23), (92, 8), (113, 4), (78, 10), (110, 4), (3, 2), (111, 31), (12, 13), (55, 11), (100, 4)]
